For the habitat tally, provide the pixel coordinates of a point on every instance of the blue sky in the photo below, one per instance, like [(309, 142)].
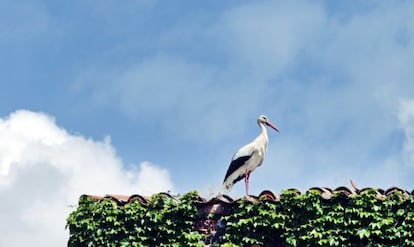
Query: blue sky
[(177, 87)]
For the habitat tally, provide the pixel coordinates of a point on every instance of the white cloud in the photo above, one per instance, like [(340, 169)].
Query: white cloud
[(44, 169)]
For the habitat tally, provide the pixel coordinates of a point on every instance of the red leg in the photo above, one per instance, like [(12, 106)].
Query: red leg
[(246, 181)]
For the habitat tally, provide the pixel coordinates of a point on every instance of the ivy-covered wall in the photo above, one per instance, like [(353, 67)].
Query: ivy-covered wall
[(364, 219)]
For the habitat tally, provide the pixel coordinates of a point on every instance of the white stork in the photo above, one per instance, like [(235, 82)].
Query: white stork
[(248, 157)]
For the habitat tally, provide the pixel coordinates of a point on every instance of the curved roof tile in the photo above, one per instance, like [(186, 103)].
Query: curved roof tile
[(324, 192)]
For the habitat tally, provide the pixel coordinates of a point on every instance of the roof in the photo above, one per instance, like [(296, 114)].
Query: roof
[(221, 203), (325, 193)]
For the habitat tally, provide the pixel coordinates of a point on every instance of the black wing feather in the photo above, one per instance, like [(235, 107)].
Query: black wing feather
[(236, 164)]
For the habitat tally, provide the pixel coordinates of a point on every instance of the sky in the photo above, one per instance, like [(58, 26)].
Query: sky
[(140, 97)]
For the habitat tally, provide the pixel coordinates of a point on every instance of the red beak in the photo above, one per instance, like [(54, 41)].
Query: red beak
[(272, 126)]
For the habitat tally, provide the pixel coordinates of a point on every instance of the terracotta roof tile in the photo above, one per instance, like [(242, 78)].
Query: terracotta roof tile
[(326, 193)]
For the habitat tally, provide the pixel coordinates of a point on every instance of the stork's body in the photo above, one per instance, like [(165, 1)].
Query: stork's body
[(248, 157)]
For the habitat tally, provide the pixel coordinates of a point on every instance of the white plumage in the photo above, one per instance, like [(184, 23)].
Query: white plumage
[(248, 157)]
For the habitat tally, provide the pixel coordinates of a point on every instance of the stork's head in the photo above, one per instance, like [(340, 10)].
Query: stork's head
[(262, 119)]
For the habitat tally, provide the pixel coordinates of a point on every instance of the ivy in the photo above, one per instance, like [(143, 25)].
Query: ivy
[(364, 219), (163, 222)]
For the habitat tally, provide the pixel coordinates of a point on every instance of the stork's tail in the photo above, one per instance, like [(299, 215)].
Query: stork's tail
[(227, 185)]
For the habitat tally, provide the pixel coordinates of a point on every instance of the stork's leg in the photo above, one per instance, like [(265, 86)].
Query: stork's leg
[(246, 181)]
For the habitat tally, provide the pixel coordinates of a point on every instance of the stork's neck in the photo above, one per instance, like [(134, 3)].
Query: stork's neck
[(263, 130), (262, 138)]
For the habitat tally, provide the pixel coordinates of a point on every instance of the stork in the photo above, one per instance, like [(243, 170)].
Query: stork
[(248, 157)]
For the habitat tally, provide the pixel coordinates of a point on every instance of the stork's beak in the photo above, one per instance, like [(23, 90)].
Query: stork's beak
[(272, 126)]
